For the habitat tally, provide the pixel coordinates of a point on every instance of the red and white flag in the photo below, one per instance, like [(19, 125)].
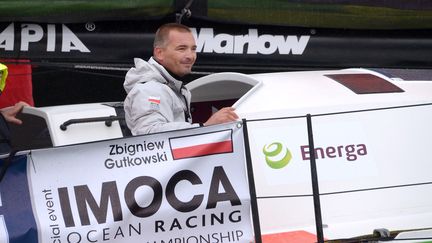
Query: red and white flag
[(202, 145), (154, 100)]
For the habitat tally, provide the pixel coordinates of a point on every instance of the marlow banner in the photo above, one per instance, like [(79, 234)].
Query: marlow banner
[(183, 186)]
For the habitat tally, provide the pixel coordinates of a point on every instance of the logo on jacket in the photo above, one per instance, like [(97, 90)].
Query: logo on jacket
[(154, 102)]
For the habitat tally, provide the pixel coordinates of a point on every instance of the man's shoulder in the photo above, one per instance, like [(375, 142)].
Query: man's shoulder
[(151, 86)]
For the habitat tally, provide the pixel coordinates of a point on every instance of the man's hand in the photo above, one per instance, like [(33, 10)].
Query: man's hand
[(223, 115), (9, 113)]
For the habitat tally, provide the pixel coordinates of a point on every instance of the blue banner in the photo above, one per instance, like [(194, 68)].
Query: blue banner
[(17, 220)]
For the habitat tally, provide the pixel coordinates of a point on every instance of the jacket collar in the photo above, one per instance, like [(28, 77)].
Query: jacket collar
[(172, 82)]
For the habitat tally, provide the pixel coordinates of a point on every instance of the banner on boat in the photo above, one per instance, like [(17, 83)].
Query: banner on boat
[(183, 186)]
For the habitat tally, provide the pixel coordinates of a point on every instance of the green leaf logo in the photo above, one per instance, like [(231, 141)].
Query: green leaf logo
[(274, 150)]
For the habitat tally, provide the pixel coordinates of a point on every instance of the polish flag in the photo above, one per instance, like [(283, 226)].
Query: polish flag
[(154, 100), (202, 145)]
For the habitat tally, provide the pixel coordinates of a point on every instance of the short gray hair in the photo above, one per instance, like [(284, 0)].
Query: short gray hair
[(163, 31)]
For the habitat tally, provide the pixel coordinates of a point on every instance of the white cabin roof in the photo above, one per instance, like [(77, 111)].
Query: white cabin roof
[(284, 94)]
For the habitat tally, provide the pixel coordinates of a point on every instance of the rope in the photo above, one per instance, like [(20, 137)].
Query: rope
[(185, 11)]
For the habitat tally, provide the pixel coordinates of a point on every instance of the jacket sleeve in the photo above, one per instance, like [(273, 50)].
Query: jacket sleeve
[(152, 107)]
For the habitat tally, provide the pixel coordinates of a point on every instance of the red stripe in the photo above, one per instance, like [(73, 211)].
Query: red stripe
[(299, 236), (202, 149), (154, 101)]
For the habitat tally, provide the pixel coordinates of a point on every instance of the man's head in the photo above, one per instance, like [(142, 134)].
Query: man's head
[(174, 48)]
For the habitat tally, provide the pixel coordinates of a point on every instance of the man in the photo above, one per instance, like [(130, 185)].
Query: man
[(157, 100)]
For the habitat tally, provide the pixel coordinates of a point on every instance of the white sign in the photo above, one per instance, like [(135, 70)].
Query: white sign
[(283, 154), (185, 186)]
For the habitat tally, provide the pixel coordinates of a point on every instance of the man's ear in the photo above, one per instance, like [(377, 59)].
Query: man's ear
[(157, 53)]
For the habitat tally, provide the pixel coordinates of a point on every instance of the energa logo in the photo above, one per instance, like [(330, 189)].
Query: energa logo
[(276, 155)]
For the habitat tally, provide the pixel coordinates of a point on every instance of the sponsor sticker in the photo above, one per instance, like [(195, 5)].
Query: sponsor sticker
[(282, 151)]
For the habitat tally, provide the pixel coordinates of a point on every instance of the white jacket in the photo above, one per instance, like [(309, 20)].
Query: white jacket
[(155, 100)]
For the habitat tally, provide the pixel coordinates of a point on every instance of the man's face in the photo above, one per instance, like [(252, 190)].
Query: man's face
[(179, 53)]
